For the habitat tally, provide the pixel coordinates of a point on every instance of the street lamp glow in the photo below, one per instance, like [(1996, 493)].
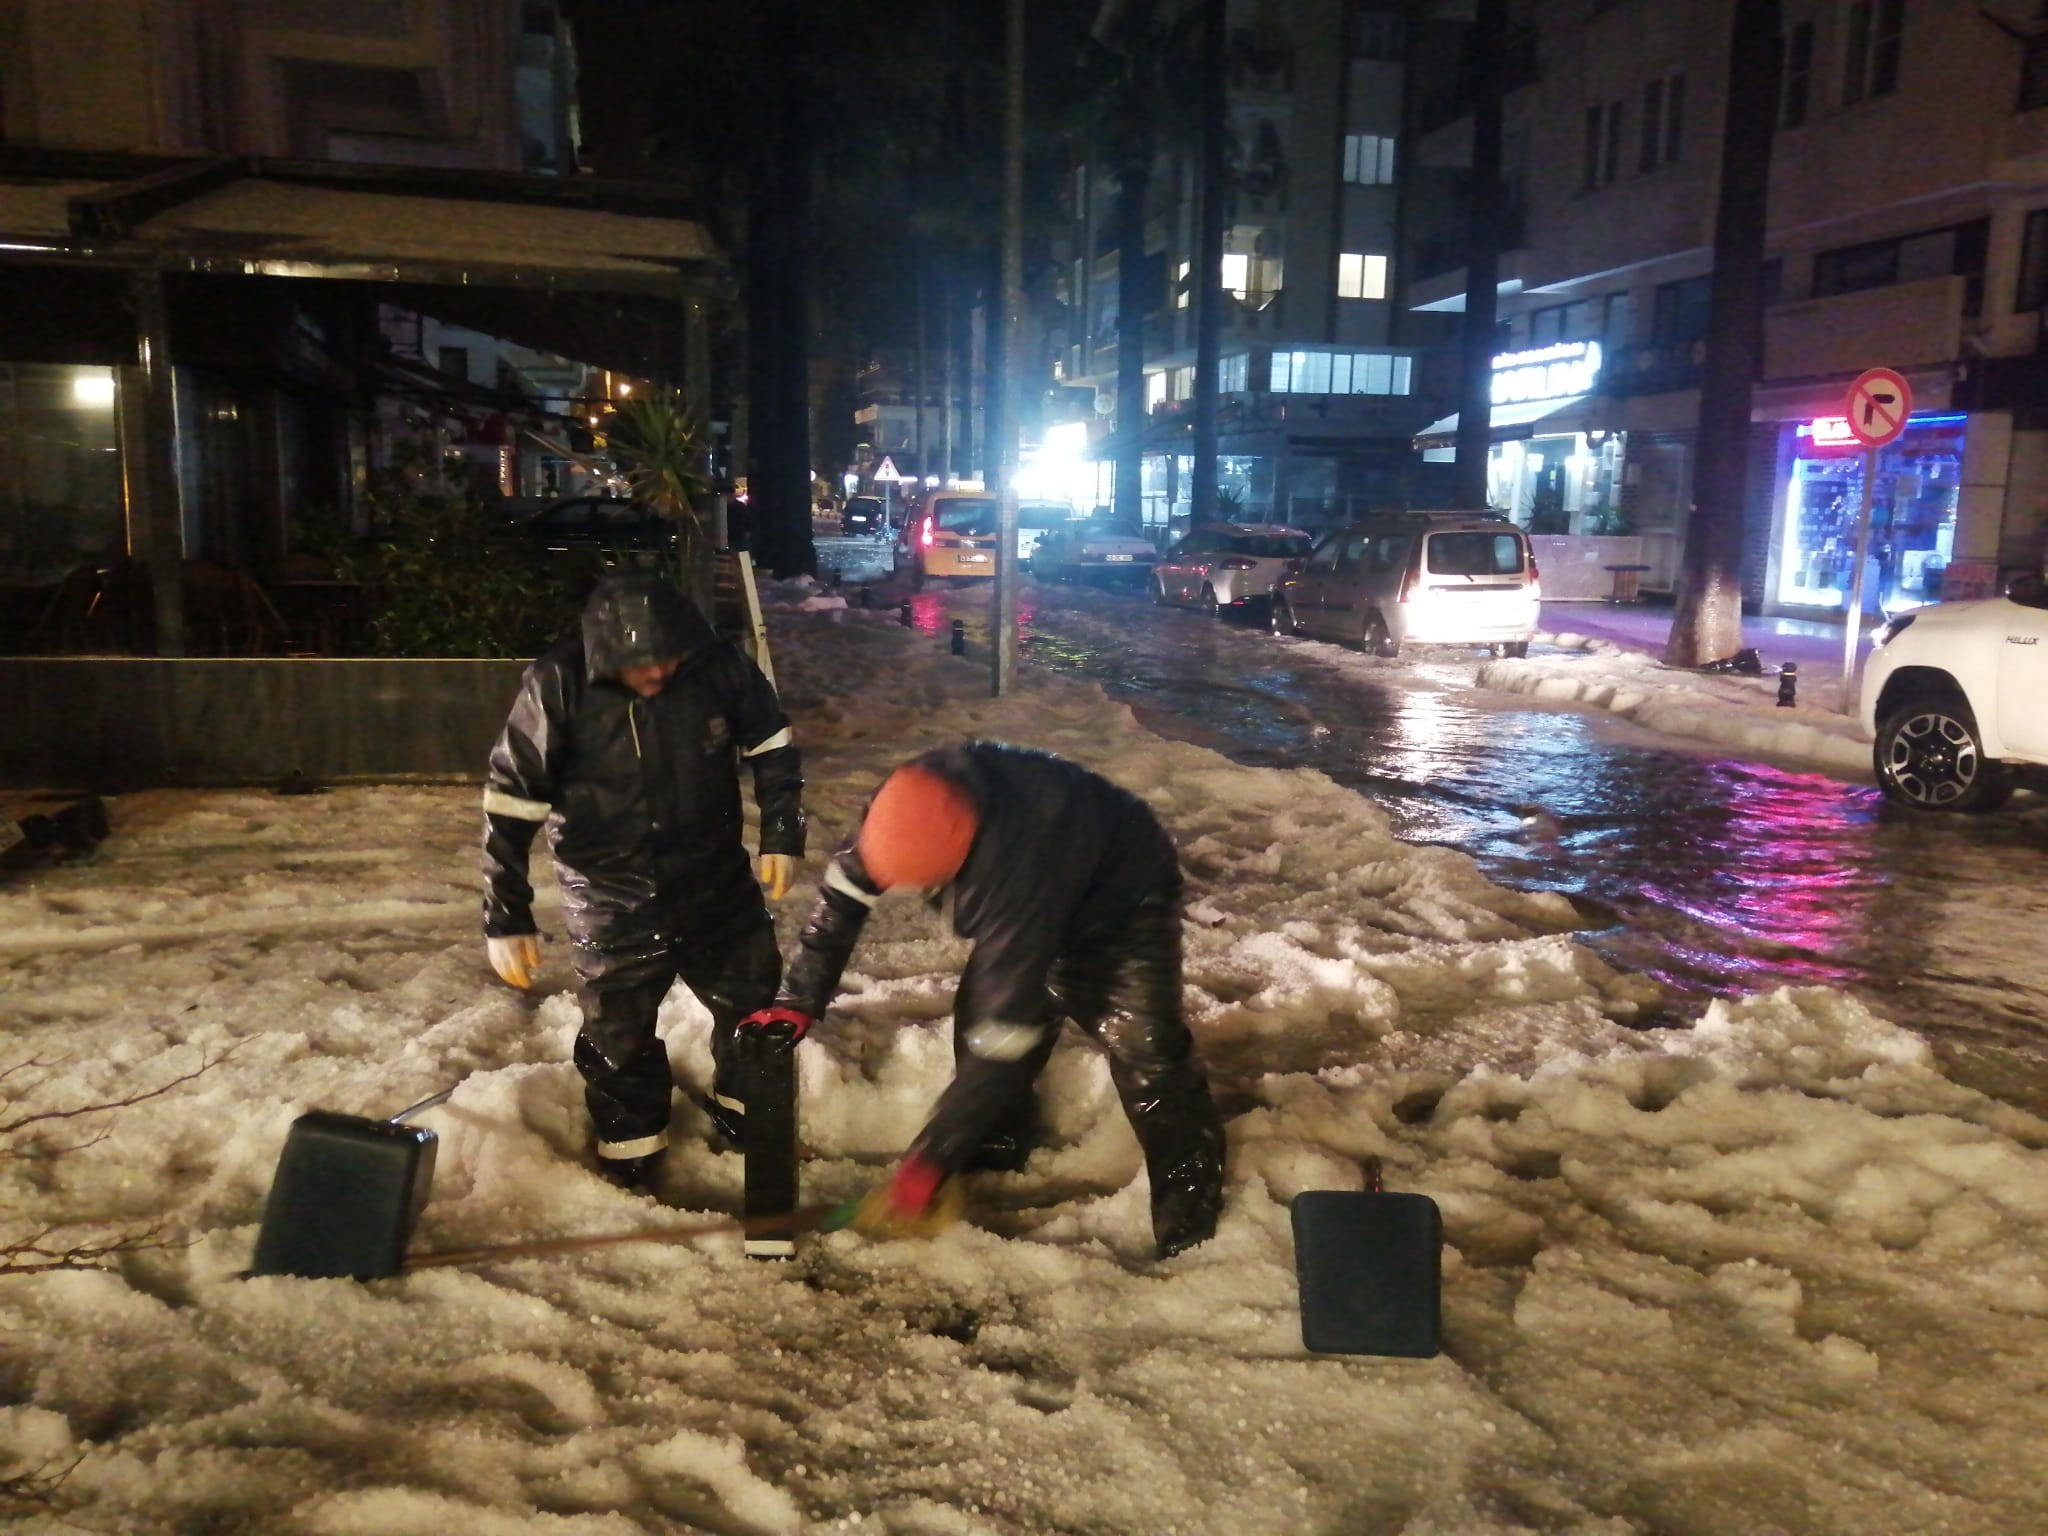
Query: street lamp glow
[(93, 387)]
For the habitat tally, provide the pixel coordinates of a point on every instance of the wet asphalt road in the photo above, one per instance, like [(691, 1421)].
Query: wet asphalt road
[(1713, 874)]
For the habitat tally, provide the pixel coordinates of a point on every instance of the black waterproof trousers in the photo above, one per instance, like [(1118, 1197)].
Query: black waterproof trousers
[(733, 969), (1124, 993)]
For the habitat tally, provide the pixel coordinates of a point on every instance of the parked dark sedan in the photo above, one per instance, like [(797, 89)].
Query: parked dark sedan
[(604, 524), (862, 514)]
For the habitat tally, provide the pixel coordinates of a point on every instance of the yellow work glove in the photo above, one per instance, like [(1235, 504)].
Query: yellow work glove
[(516, 959), (778, 873)]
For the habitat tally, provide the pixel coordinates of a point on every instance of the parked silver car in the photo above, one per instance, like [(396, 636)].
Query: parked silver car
[(1228, 568), (1430, 578), (1094, 548)]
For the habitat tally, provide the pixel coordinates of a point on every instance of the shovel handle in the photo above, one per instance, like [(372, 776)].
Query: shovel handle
[(809, 1219)]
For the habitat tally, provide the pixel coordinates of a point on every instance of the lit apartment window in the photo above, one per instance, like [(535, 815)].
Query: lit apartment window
[(1155, 388), (1361, 276), (1342, 373), (1182, 386), (1368, 160), (1663, 121), (1233, 373), (1250, 275), (1798, 75), (1870, 62)]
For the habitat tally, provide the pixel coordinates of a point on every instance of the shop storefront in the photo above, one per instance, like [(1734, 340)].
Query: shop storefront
[(1546, 468), (1912, 516)]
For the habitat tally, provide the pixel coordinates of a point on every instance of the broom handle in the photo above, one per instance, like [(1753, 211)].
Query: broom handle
[(807, 1219)]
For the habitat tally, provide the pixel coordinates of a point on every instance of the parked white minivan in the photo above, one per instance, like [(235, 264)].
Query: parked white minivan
[(1415, 578)]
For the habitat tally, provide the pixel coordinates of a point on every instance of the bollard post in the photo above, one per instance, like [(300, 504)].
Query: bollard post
[(1788, 685), (959, 637), (903, 613), (864, 595)]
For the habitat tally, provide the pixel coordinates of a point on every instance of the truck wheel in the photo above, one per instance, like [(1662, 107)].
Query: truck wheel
[(1280, 616), (1376, 640), (1929, 757)]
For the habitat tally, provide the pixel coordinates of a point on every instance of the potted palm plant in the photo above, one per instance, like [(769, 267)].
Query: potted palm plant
[(661, 446)]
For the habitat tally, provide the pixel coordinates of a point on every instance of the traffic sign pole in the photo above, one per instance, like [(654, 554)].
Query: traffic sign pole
[(1879, 402), (1852, 628)]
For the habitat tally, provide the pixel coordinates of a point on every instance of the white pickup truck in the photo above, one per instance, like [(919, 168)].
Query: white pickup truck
[(1956, 695)]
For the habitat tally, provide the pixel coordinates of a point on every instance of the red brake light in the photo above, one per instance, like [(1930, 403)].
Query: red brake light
[(1407, 585), (925, 538), (1535, 579), (1239, 563)]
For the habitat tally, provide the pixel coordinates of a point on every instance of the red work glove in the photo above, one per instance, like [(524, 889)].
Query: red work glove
[(920, 1201), (765, 1018)]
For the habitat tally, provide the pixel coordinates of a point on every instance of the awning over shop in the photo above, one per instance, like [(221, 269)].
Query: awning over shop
[(1521, 418), (275, 218)]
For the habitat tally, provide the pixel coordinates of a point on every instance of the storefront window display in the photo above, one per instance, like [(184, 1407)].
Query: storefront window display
[(1912, 515), (1564, 484), (60, 470)]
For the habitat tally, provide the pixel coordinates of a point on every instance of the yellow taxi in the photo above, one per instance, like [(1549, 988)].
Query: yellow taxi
[(953, 534)]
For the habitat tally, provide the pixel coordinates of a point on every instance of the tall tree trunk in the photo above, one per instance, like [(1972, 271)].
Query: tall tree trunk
[(921, 389), (1004, 651), (1208, 266), (948, 341), (1708, 623), (1134, 184), (778, 308), (1482, 258)]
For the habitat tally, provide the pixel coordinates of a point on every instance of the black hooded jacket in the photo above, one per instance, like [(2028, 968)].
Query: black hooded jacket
[(640, 796), (1060, 861)]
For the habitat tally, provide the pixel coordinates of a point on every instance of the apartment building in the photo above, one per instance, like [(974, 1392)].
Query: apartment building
[(1325, 377), (1908, 229), (471, 84)]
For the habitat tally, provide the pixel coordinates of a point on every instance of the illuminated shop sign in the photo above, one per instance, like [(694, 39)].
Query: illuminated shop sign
[(1828, 432), (1833, 431), (1546, 373)]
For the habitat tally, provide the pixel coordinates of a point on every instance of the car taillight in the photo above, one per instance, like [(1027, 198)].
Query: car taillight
[(925, 538), (1407, 585), (1238, 563), (1535, 580)]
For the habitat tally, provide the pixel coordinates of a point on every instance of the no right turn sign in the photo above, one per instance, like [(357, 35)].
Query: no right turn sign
[(1879, 402)]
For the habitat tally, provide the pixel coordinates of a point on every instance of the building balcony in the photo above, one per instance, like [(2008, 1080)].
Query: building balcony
[(1657, 368), (1899, 326)]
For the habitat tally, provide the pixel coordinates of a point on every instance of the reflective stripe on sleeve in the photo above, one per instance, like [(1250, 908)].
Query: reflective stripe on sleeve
[(993, 1040), (498, 803), (837, 879), (781, 738)]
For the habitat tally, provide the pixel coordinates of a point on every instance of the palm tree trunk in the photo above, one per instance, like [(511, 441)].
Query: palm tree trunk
[(1708, 623), (1208, 267), (1134, 184), (778, 308), (1482, 258)]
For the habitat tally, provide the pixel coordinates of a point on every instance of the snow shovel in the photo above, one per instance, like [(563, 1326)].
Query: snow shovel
[(1370, 1265), (346, 1194)]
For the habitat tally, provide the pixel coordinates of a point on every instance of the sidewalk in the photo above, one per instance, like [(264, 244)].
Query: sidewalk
[(1609, 656), (1645, 627)]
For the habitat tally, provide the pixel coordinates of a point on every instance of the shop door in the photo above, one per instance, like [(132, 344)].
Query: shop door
[(2023, 681)]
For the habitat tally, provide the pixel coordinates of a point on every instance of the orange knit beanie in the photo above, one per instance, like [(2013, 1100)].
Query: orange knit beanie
[(918, 829)]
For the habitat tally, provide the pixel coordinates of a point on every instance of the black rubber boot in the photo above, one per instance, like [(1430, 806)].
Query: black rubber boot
[(634, 1173)]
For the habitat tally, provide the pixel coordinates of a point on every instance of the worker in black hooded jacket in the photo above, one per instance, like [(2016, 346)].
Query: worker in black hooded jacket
[(1070, 889), (625, 742)]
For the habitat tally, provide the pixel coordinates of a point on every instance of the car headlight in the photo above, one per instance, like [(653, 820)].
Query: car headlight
[(1891, 629)]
